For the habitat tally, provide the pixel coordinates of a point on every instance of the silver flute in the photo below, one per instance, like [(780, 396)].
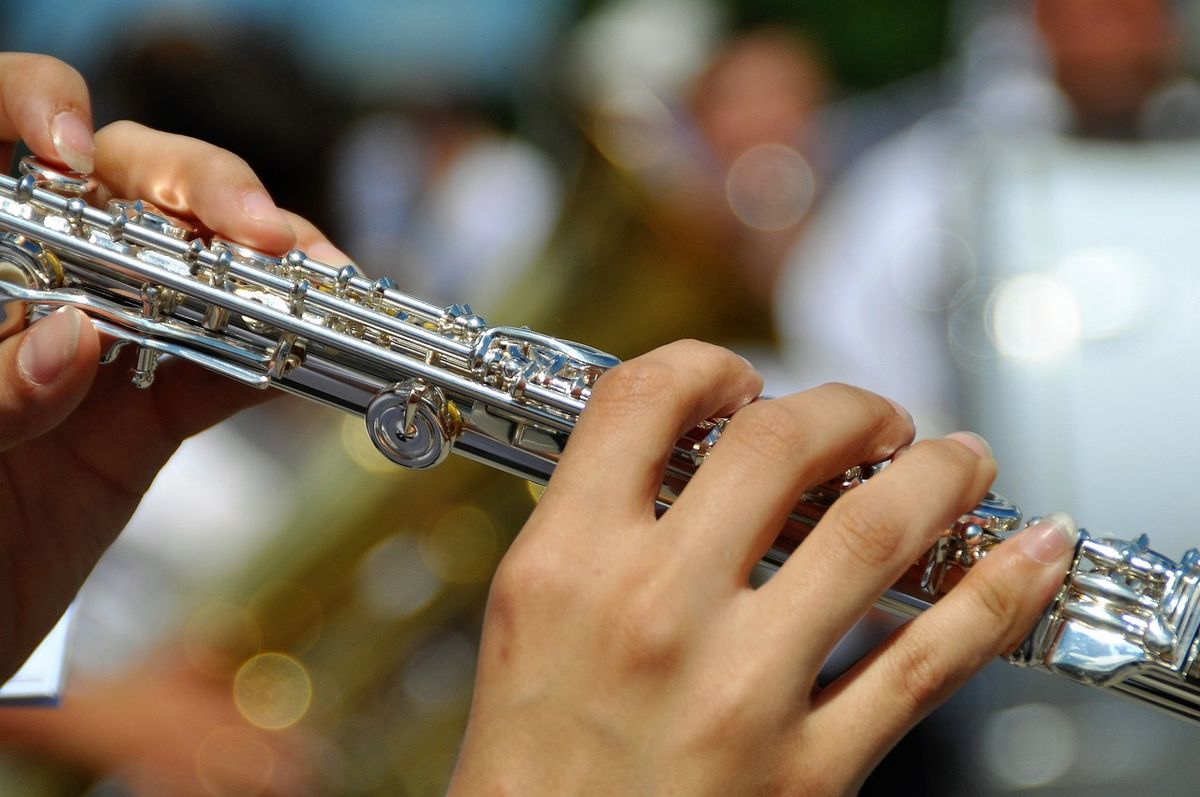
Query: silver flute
[(428, 380)]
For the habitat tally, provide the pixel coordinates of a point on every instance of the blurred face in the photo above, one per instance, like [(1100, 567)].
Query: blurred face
[(1109, 55), (764, 88)]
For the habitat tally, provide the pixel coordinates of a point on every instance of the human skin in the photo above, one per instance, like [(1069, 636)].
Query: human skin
[(78, 445), (625, 653)]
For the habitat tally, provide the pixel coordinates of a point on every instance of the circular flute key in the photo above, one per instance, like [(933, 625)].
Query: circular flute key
[(61, 181), (413, 424)]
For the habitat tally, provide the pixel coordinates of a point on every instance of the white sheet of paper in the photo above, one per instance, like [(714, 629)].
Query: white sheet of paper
[(41, 678)]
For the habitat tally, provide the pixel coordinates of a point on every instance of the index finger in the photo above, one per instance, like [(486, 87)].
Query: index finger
[(189, 177), (44, 103), (618, 451)]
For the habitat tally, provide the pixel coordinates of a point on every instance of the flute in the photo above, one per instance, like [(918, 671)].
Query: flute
[(430, 380)]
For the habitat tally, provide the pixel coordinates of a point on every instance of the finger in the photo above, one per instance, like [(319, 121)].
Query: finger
[(189, 177), (147, 425), (12, 312), (45, 103), (313, 242), (637, 411), (184, 400), (45, 371), (877, 701), (771, 452), (869, 537), (192, 399)]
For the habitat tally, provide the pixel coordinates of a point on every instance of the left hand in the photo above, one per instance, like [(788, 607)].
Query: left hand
[(79, 446)]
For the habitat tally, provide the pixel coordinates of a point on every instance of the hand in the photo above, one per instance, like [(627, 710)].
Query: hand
[(79, 447), (626, 654), (164, 729)]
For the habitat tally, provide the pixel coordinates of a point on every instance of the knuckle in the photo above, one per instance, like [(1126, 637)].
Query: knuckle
[(509, 615), (992, 605), (849, 395), (868, 539), (953, 460), (922, 679), (872, 411), (783, 427), (209, 165), (842, 393), (121, 128), (705, 357), (234, 166), (775, 429), (640, 382), (303, 226), (503, 602), (525, 572), (691, 347), (647, 638), (959, 475), (648, 618)]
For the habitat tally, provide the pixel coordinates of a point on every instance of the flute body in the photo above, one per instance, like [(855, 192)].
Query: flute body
[(429, 380)]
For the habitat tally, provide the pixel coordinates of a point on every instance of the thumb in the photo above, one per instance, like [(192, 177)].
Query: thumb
[(45, 371)]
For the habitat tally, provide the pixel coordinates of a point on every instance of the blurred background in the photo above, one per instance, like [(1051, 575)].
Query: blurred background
[(981, 208)]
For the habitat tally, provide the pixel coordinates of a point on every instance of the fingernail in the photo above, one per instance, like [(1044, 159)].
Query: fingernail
[(49, 346), (328, 254), (259, 207), (73, 141), (973, 442), (1047, 540)]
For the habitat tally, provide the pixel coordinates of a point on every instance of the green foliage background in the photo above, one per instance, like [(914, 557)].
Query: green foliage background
[(871, 42)]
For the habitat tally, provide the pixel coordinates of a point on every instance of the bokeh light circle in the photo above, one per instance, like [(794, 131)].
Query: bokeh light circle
[(393, 581), (234, 761), (1029, 745), (463, 546), (770, 187), (1034, 317), (272, 691)]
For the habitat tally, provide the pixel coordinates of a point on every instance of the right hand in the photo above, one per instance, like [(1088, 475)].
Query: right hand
[(626, 653), (79, 446)]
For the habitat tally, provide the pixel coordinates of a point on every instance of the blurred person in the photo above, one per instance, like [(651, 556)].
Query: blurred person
[(684, 204), (755, 108), (1060, 165), (1111, 58), (684, 657), (894, 241), (763, 85)]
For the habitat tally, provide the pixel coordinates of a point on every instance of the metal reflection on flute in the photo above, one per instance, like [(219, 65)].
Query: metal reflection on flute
[(429, 380)]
